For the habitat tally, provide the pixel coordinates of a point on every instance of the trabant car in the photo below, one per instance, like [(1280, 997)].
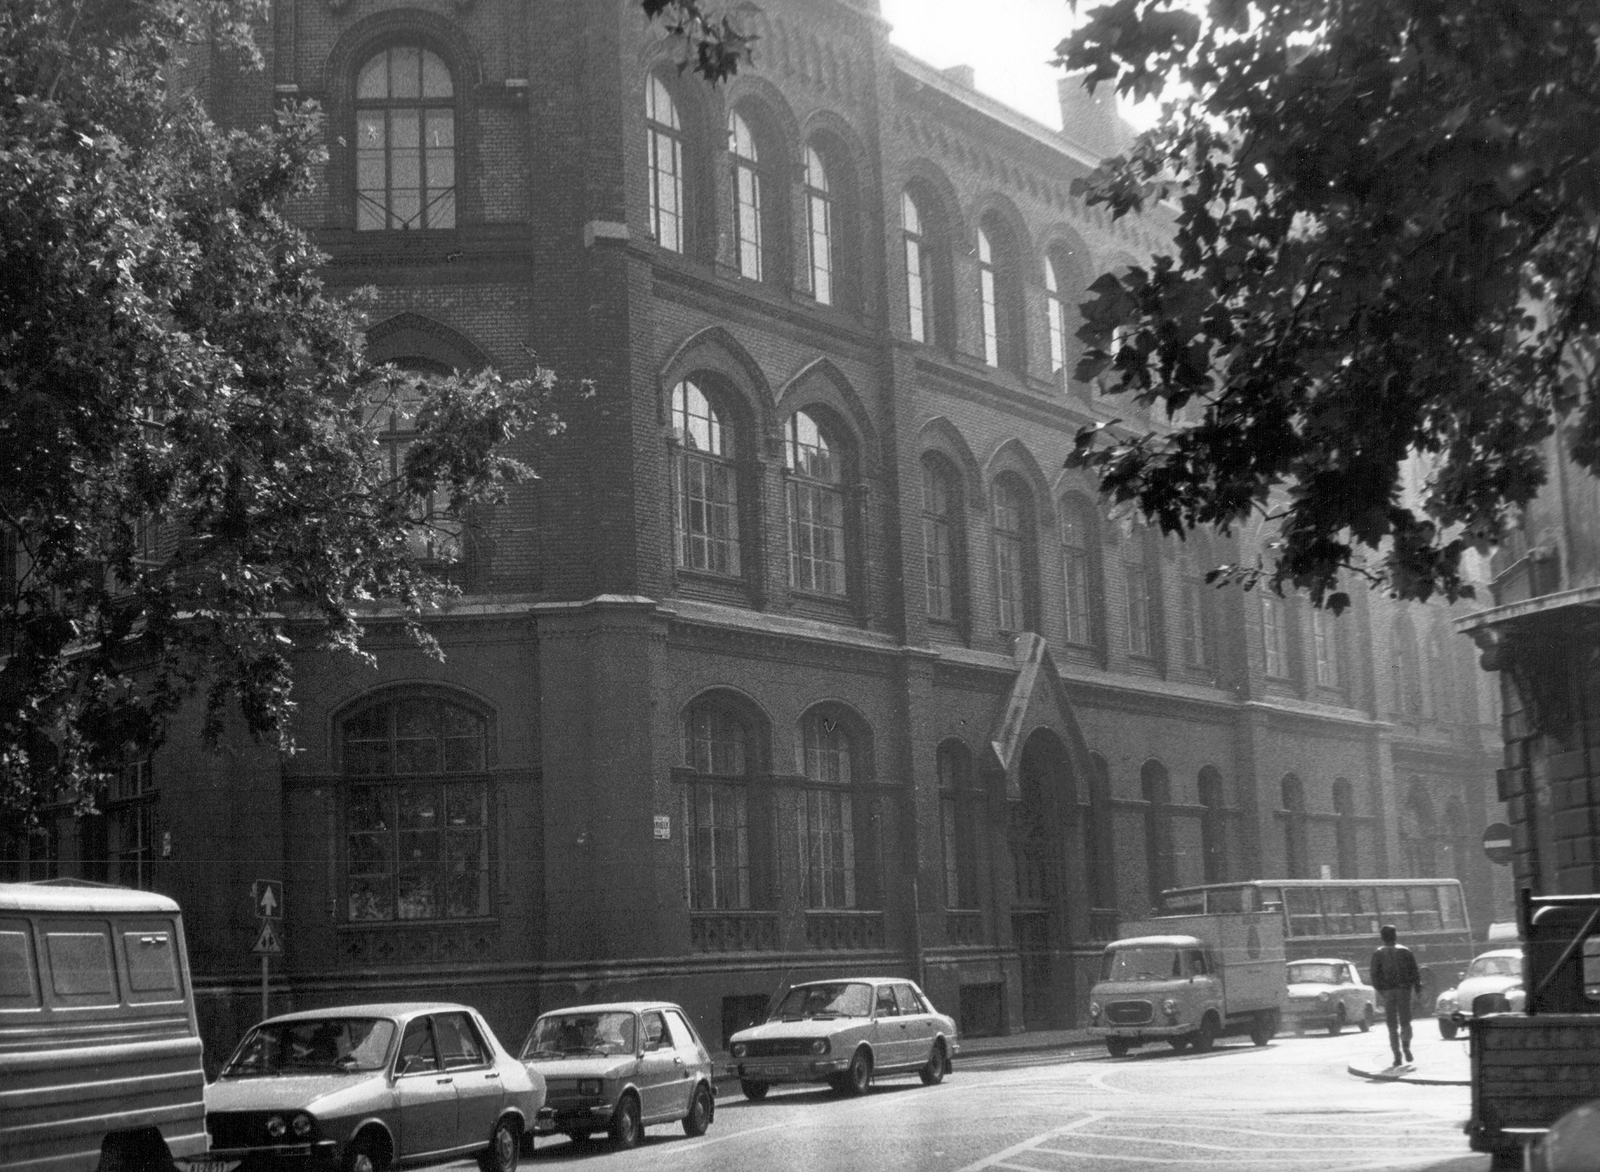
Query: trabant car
[(1498, 973), (365, 1087), (619, 1068), (1328, 993), (846, 1033)]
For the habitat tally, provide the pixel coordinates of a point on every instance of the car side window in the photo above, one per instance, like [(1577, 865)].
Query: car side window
[(459, 1044), (417, 1052), (1346, 977), (906, 997), (688, 1042), (887, 1006), (656, 1035), (1197, 963)]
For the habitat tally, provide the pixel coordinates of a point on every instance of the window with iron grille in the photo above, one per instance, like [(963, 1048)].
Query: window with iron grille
[(405, 141)]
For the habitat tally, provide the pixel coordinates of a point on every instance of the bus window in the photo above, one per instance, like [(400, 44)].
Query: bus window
[(1305, 911), (1183, 903), (1368, 925), (1424, 908), (1392, 908), (1228, 899), (1271, 899), (1450, 904), (1341, 906)]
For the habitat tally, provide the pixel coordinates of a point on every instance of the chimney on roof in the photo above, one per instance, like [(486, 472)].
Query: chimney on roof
[(1090, 120), (962, 75)]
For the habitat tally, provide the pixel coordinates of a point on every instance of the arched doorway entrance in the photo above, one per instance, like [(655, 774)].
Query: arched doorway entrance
[(1041, 826)]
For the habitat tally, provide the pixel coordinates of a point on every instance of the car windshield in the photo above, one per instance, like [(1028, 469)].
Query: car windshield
[(1139, 964), (1313, 974), (567, 1035), (834, 999), (1495, 966), (329, 1045)]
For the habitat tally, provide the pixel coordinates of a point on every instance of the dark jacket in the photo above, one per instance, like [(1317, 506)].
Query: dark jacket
[(1393, 967)]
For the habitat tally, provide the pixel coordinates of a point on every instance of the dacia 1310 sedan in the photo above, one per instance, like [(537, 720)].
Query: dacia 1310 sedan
[(619, 1067), (846, 1033), (362, 1088)]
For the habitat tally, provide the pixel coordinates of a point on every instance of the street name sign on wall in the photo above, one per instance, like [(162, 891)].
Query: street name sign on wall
[(1497, 842)]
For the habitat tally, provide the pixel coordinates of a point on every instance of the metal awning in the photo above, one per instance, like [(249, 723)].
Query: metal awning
[(1584, 597)]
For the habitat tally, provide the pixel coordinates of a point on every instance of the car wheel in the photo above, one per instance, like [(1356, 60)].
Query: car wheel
[(366, 1154), (505, 1146), (1336, 1022), (1261, 1029), (701, 1108), (859, 1077), (1178, 1044), (1447, 1029), (1117, 1047), (1205, 1037), (754, 1091), (1366, 1018), (932, 1072), (626, 1130)]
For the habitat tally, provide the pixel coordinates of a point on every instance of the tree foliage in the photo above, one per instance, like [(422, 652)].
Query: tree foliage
[(1388, 222)]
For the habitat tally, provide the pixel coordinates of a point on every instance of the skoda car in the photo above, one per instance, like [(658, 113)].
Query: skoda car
[(365, 1087), (618, 1068), (845, 1033), (1327, 993), (1498, 973)]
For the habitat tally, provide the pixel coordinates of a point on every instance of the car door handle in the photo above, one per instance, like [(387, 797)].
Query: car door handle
[(677, 1062), (442, 1081), (492, 1074)]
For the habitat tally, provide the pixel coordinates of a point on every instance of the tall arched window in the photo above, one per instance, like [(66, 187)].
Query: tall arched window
[(826, 818), (1213, 826), (919, 269), (1141, 573), (817, 538), (1344, 808), (1156, 788), (941, 519), (416, 820), (1000, 288), (1080, 543), (1325, 640), (1196, 615), (1416, 834), (819, 223), (1295, 849), (1274, 635), (719, 751), (1055, 284), (436, 533), (664, 150), (961, 806), (707, 490), (1406, 667), (1440, 682), (405, 141), (1013, 554), (747, 207)]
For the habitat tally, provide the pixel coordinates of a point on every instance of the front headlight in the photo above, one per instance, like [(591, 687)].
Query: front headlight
[(1516, 998), (588, 1086), (1322, 998), (1094, 1011), (1169, 1007), (739, 1049), (819, 1046), (1446, 1005), (303, 1125), (276, 1127)]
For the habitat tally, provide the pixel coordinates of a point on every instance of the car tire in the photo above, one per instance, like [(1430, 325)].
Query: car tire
[(701, 1109), (1206, 1036), (754, 1091), (1261, 1029), (1336, 1022), (1117, 1047), (366, 1154), (859, 1075), (1447, 1029), (505, 1147), (932, 1072), (1178, 1044), (1367, 1017), (626, 1130)]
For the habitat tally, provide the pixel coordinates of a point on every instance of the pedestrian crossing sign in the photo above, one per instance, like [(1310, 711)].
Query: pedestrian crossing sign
[(268, 942)]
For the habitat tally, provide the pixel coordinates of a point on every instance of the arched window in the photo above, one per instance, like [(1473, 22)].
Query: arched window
[(747, 205), (1213, 826), (817, 538), (416, 820), (1325, 639), (1080, 546), (941, 537), (405, 141), (1196, 612), (720, 752), (1156, 788), (707, 489), (1014, 555), (1406, 667), (1056, 310), (919, 269), (1142, 573), (1416, 834), (1295, 850), (1344, 808), (961, 806), (1000, 287), (819, 223), (664, 150), (1274, 635), (826, 822), (436, 533), (1099, 847)]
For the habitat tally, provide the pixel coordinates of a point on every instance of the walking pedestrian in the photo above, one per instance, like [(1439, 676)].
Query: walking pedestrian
[(1395, 977)]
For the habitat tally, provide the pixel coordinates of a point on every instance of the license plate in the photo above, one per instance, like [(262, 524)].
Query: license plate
[(204, 1165), (768, 1071)]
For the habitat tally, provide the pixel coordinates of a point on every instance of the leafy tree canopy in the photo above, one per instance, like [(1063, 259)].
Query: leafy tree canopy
[(1388, 222)]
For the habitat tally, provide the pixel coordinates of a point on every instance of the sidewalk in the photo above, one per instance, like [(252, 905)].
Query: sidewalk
[(1438, 1063)]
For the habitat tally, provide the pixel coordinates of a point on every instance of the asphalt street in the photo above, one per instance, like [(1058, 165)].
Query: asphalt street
[(1289, 1107)]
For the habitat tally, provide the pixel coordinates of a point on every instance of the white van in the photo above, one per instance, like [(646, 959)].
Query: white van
[(100, 1063)]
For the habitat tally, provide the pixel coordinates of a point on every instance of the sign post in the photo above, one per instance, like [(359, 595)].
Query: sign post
[(266, 898), (1497, 842)]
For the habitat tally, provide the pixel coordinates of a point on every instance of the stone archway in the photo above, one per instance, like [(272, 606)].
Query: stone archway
[(1042, 825)]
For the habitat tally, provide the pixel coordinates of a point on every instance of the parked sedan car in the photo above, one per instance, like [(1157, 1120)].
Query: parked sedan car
[(364, 1087), (619, 1068), (1497, 972), (846, 1033), (1326, 992)]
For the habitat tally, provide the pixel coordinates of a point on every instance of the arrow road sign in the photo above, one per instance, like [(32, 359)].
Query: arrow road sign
[(268, 943), (267, 895)]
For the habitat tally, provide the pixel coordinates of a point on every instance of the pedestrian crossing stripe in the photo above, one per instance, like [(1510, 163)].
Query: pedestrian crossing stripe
[(268, 942)]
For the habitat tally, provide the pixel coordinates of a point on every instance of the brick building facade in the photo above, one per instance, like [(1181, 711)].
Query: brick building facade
[(805, 655)]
